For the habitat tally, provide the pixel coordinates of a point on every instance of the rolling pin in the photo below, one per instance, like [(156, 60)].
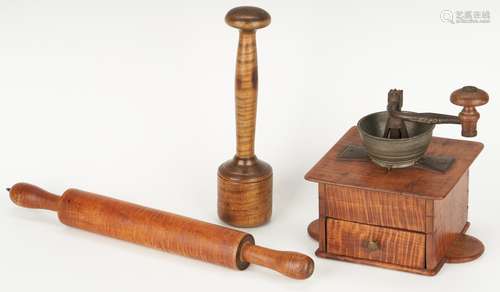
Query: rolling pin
[(161, 230)]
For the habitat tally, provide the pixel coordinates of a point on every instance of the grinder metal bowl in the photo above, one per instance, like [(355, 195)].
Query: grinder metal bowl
[(397, 139), (393, 153)]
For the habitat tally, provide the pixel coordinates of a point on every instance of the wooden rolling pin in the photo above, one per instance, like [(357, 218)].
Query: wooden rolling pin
[(161, 230)]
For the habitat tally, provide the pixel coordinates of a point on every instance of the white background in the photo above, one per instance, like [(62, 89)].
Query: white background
[(134, 99)]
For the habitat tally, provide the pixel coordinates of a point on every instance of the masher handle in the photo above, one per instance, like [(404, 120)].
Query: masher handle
[(292, 264), (247, 19), (30, 196)]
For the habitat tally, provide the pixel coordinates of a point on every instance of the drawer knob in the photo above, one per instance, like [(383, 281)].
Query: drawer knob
[(372, 245)]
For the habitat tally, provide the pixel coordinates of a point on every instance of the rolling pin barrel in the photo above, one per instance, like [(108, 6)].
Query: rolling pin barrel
[(153, 228), (161, 230)]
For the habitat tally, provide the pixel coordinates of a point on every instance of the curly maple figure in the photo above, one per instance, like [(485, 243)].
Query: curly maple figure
[(245, 182), (161, 230)]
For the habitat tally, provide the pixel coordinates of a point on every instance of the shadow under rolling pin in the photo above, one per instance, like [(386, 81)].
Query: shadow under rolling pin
[(161, 230)]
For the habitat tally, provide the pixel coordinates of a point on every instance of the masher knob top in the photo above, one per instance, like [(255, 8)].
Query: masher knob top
[(248, 18)]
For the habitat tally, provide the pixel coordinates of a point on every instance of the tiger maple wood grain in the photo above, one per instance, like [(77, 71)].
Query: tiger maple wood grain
[(161, 230), (246, 86), (429, 209), (396, 246), (376, 208), (153, 228), (448, 221), (244, 183), (245, 204)]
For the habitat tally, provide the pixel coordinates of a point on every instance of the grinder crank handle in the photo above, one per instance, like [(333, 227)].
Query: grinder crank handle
[(291, 264), (469, 97), (247, 19), (425, 118)]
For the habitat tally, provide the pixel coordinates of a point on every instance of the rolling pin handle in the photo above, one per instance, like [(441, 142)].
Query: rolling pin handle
[(288, 263), (30, 196)]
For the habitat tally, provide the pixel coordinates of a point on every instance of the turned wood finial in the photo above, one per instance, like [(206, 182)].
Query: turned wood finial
[(469, 97), (248, 18)]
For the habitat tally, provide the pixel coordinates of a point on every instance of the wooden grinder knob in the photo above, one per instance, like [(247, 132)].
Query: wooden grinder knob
[(245, 182), (469, 97)]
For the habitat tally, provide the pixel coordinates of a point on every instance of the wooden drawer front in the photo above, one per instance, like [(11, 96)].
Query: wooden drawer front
[(380, 244), (375, 208)]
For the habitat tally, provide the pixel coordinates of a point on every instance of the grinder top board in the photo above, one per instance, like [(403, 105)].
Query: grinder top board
[(408, 181)]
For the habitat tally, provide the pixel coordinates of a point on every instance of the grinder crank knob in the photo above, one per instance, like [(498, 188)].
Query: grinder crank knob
[(244, 183), (469, 97)]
